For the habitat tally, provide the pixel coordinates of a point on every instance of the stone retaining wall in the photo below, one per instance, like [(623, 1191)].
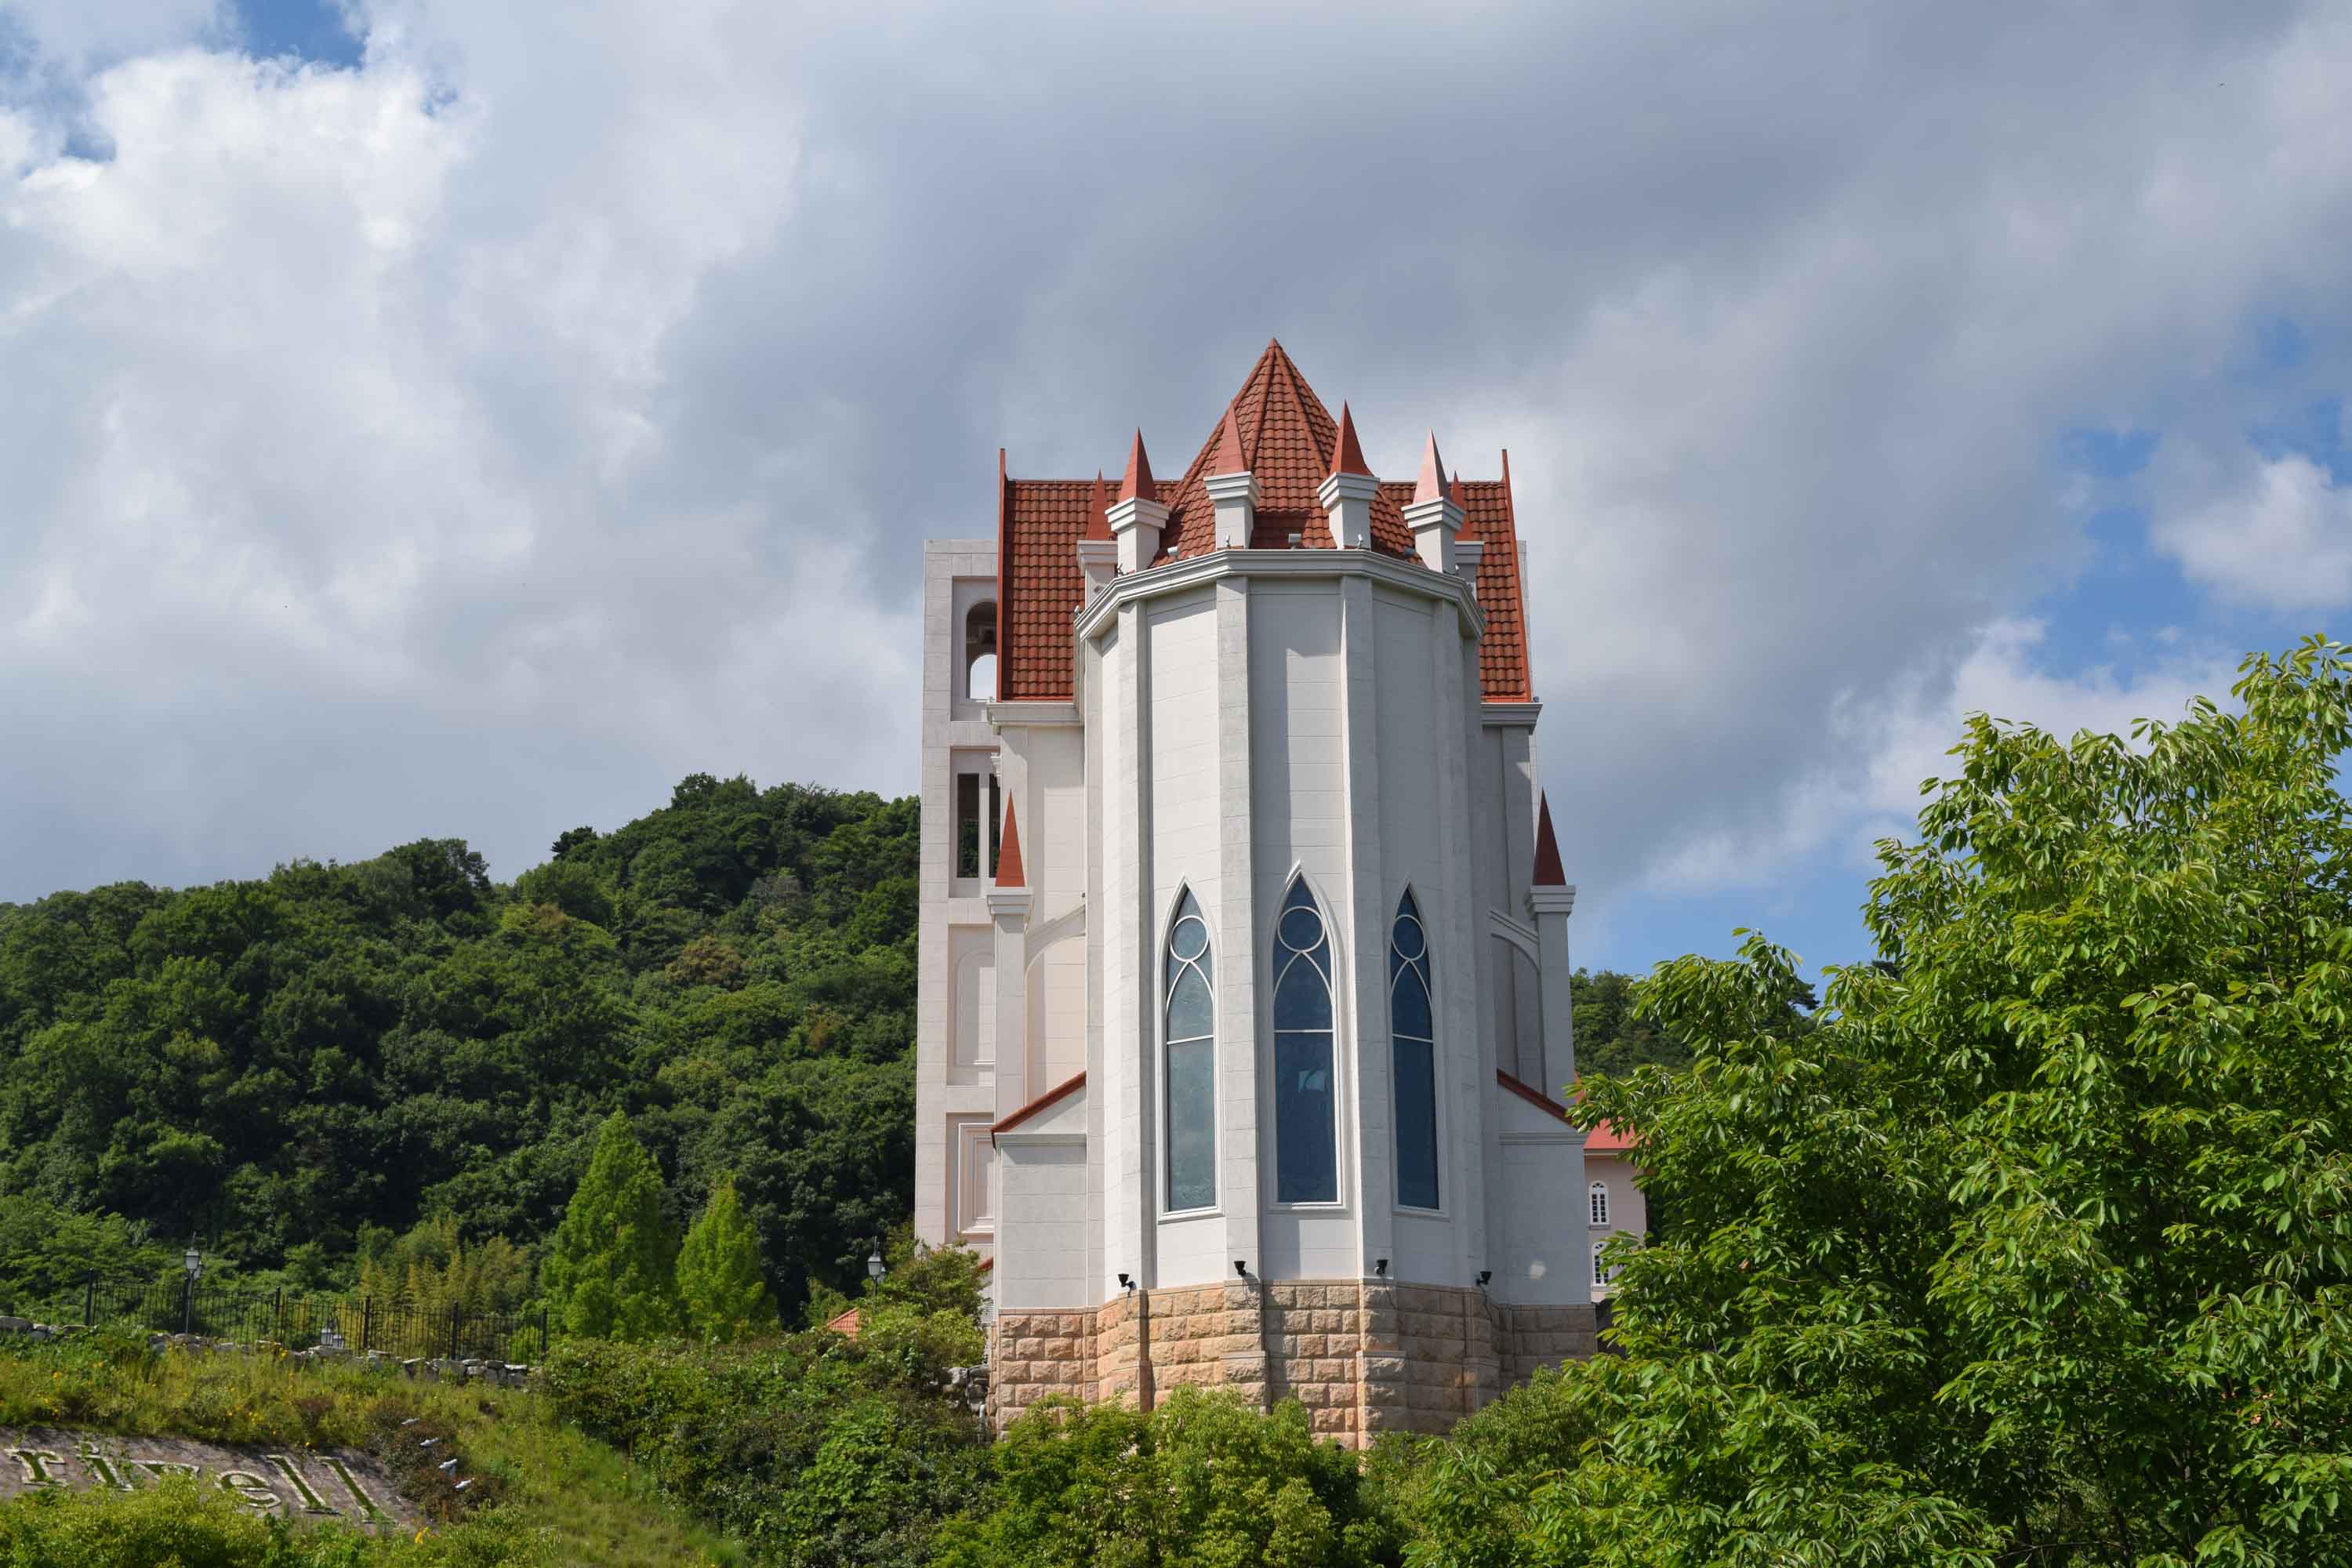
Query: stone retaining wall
[(1363, 1357)]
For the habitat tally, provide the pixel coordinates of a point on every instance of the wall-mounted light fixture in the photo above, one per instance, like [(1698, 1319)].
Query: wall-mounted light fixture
[(1240, 1267), (1381, 1267), (1484, 1275), (1127, 1283)]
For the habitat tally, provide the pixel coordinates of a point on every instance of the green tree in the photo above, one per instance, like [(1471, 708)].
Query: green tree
[(721, 1289), (2037, 1246), (611, 1271)]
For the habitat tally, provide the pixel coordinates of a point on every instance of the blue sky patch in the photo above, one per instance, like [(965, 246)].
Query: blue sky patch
[(312, 30)]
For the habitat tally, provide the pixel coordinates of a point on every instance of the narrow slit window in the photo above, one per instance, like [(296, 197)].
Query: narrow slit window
[(1190, 1051), (995, 824), (1306, 1098), (1599, 1268), (1412, 1051), (967, 824), (1600, 1205)]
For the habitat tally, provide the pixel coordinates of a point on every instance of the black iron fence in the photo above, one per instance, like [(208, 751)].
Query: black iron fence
[(397, 1328)]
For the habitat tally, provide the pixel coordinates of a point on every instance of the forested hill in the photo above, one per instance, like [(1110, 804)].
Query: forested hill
[(297, 1068), (387, 1059)]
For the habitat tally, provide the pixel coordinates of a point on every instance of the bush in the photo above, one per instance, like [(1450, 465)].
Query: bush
[(1202, 1482), (818, 1449)]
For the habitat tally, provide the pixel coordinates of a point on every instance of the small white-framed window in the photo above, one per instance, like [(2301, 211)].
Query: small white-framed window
[(1600, 1195), (1599, 1267)]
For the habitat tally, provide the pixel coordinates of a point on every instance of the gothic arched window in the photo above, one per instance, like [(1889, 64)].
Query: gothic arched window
[(1412, 1049), (1190, 1043), (1599, 1205), (1306, 1098)]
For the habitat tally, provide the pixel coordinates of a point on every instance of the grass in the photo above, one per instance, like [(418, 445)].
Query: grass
[(551, 1495)]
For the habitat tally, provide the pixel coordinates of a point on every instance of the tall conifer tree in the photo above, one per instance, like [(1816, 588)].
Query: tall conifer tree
[(723, 1294), (611, 1271)]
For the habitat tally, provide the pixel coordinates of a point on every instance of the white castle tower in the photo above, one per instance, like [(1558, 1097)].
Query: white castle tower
[(1245, 971)]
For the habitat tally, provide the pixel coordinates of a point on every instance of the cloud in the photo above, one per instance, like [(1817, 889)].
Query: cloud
[(2280, 537), (1881, 745), (477, 439)]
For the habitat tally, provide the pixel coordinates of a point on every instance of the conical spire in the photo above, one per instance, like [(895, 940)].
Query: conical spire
[(1549, 873), (1137, 485), (1432, 485), (1348, 458), (1008, 851), (1098, 511), (1230, 458)]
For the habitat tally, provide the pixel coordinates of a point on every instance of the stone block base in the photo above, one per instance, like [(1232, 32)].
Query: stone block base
[(1363, 1357)]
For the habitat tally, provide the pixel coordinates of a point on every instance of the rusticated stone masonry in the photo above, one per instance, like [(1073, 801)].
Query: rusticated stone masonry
[(1364, 1357)]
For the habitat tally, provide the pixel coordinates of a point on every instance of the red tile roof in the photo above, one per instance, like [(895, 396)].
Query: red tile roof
[(1290, 442), (1604, 1139)]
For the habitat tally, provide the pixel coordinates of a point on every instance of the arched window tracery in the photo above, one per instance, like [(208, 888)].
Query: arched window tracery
[(1413, 1050), (1189, 1044), (1305, 1091)]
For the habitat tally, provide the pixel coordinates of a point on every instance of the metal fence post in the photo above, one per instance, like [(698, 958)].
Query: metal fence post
[(542, 1331), (89, 1301), (188, 1306), (277, 1315), (367, 1321), (453, 1331)]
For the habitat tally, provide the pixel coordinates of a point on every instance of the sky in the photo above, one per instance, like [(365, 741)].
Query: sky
[(451, 417)]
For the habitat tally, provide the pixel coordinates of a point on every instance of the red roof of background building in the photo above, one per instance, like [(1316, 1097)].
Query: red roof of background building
[(1605, 1137), (1288, 440)]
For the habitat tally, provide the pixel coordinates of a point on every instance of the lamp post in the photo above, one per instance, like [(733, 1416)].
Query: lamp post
[(874, 1266), (193, 1261)]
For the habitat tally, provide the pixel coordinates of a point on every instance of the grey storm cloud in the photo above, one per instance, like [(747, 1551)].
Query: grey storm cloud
[(478, 440)]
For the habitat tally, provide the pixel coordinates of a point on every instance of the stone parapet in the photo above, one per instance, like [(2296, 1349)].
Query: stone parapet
[(1362, 1356)]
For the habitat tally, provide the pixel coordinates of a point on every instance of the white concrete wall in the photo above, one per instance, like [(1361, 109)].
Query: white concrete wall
[(1041, 1230), (1185, 832), (1299, 823), (949, 1098)]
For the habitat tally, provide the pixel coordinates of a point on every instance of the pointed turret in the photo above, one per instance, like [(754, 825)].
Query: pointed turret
[(1097, 552), (1098, 511), (1551, 898), (1435, 516), (1549, 872), (1229, 458), (1347, 457), (1136, 517), (1349, 489), (1138, 480), (1233, 489), (1008, 852), (1431, 486)]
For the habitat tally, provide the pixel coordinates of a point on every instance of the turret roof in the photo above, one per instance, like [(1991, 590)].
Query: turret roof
[(1288, 440)]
